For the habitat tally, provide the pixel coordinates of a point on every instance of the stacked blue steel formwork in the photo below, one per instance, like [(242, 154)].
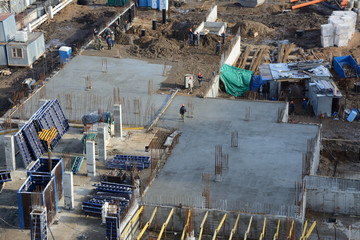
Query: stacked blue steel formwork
[(127, 162), (118, 194), (37, 191), (38, 224), (5, 176), (47, 116), (112, 226), (41, 167)]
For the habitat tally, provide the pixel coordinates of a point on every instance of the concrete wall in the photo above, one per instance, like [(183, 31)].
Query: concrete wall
[(212, 16), (285, 116), (234, 54), (316, 153), (215, 27), (333, 195), (177, 222), (200, 27), (213, 88)]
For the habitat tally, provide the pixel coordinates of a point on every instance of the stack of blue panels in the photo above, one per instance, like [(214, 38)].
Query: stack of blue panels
[(47, 116), (118, 194), (127, 162)]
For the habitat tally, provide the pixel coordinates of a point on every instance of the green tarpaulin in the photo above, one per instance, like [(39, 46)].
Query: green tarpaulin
[(236, 80)]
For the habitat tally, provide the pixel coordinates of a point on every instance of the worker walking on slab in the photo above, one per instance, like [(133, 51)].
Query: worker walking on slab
[(218, 48), (182, 112), (191, 37), (292, 108), (200, 79), (223, 35)]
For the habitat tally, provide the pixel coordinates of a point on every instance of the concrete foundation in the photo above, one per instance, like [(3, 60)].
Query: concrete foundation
[(90, 158), (118, 121), (251, 3), (101, 143), (9, 145), (332, 195), (68, 190), (267, 162)]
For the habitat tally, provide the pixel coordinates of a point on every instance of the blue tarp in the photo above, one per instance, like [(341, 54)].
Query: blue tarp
[(257, 81)]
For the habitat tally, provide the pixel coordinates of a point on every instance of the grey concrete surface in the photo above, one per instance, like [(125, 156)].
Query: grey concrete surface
[(262, 170), (129, 75)]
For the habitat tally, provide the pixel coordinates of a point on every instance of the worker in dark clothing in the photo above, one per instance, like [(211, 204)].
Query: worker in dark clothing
[(191, 36), (182, 112), (95, 32), (218, 48), (292, 108), (197, 39), (109, 42), (200, 78), (223, 35), (126, 26), (304, 106)]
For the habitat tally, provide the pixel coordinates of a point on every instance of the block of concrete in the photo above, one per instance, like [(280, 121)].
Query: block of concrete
[(327, 30), (343, 29), (335, 22), (341, 40), (9, 146), (327, 42), (90, 158), (251, 3), (68, 190)]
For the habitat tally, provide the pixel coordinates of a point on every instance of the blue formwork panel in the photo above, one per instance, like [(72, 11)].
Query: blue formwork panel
[(38, 225), (47, 116), (5, 176), (37, 190), (41, 167), (127, 162), (112, 226)]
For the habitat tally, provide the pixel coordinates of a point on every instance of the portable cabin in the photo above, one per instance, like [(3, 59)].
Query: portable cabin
[(25, 51), (7, 27)]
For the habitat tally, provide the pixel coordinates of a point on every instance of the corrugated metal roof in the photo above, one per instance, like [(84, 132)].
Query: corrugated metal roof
[(4, 16)]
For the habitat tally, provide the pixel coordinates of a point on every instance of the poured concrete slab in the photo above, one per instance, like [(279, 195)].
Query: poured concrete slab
[(262, 169), (106, 76)]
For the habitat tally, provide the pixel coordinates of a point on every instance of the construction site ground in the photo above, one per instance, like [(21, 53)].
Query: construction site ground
[(263, 26)]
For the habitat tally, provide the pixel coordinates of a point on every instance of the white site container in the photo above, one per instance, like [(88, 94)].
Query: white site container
[(21, 36)]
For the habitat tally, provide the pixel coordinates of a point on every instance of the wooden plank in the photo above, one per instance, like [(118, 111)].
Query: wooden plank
[(244, 57), (254, 58), (288, 51), (259, 59), (280, 53)]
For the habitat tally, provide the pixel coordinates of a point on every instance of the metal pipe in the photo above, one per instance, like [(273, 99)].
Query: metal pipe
[(165, 223), (263, 231), (131, 222), (147, 225), (219, 227), (234, 228), (306, 4), (202, 225), (276, 236), (186, 225), (249, 228)]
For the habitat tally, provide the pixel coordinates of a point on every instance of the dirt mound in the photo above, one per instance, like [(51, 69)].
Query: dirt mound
[(249, 28), (210, 40), (155, 48)]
